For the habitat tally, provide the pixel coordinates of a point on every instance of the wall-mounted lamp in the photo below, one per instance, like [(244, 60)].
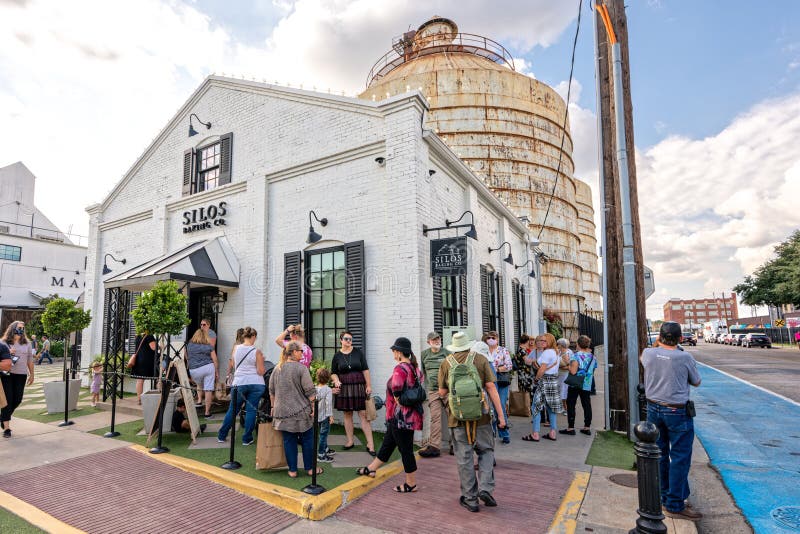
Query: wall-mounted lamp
[(106, 270), (532, 274), (44, 267), (218, 302), (471, 232), (192, 131), (313, 236), (508, 259), (380, 160), (431, 172)]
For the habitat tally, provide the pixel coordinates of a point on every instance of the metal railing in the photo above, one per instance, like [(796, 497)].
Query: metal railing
[(467, 43)]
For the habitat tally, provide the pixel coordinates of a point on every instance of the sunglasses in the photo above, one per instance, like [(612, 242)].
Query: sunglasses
[(491, 337), (347, 339)]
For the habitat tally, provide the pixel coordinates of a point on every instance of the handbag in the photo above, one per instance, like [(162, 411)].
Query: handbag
[(229, 378), (132, 362), (414, 395), (503, 379), (519, 403), (576, 380)]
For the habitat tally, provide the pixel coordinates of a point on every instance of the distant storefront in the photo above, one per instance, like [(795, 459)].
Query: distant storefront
[(228, 215)]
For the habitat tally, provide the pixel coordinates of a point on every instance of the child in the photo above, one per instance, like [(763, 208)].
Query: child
[(97, 378), (179, 421), (325, 415)]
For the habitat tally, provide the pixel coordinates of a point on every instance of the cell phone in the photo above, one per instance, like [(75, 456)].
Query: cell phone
[(690, 411)]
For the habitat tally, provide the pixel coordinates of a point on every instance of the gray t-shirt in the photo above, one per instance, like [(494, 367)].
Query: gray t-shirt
[(668, 374), (199, 354)]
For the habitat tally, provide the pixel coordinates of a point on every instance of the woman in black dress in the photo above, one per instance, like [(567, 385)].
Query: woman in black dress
[(350, 373), (144, 362)]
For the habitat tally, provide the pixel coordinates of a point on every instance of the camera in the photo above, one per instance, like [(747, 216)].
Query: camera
[(15, 359)]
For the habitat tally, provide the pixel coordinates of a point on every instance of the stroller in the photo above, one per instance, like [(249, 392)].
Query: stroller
[(264, 403)]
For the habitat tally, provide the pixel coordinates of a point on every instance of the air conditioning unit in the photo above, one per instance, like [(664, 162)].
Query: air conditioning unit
[(449, 331)]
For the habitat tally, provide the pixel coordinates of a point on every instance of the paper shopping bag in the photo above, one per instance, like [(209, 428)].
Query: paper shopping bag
[(269, 449), (519, 403), (372, 413)]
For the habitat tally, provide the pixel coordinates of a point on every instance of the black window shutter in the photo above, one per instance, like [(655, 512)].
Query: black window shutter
[(226, 151), (106, 316), (134, 297), (522, 313), (464, 300), (438, 321), (292, 288), (354, 300), (501, 314), (485, 294), (515, 310), (188, 173)]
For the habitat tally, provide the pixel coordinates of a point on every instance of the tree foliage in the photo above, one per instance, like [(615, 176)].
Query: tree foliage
[(161, 310), (34, 325), (61, 317), (777, 281)]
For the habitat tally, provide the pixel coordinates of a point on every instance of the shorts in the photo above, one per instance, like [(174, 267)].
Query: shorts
[(204, 376)]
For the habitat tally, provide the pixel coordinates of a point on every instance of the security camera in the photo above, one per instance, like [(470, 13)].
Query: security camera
[(380, 160)]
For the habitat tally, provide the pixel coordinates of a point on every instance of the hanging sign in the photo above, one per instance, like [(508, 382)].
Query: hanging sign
[(449, 256)]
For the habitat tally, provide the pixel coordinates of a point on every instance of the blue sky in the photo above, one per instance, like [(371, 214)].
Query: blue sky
[(716, 93)]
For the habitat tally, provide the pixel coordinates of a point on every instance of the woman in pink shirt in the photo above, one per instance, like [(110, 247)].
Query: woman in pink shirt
[(298, 335), (401, 421)]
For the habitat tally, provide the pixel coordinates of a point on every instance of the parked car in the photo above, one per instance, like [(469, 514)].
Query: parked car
[(736, 340), (689, 339), (720, 338), (651, 339), (726, 339), (756, 340)]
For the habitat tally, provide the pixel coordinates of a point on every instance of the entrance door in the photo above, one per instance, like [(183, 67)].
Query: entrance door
[(201, 306)]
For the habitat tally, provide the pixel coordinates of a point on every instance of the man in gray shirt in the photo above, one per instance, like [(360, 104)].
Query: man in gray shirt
[(668, 373)]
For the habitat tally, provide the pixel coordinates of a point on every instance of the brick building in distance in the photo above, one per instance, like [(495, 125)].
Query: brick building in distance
[(698, 311)]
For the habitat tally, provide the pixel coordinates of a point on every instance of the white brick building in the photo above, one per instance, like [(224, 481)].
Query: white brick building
[(368, 168)]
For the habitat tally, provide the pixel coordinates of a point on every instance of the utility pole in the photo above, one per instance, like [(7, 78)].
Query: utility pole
[(624, 267)]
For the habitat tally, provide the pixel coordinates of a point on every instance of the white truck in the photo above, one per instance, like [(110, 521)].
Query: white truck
[(713, 328)]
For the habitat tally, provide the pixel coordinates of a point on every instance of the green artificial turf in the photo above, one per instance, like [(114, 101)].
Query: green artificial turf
[(610, 449), (13, 523), (41, 415), (178, 445)]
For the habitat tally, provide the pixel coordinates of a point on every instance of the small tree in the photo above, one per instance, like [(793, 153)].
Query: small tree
[(161, 310), (61, 317)]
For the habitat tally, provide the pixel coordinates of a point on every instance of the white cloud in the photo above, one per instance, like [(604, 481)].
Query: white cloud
[(85, 86), (712, 209)]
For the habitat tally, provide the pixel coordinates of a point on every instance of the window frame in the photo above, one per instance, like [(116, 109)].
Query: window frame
[(308, 295), (10, 256), (452, 288), (200, 172)]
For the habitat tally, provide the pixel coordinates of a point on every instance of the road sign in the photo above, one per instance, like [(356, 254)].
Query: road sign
[(649, 282), (780, 323)]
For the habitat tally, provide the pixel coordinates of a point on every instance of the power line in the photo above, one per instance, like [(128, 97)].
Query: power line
[(566, 115)]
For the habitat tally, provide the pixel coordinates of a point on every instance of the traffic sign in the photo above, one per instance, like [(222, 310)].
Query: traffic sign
[(649, 282), (780, 323)]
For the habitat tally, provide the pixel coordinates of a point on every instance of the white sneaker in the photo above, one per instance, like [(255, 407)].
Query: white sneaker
[(324, 458), (221, 440)]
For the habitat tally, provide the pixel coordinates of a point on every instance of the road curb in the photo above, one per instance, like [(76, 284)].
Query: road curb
[(566, 519), (315, 508), (35, 516)]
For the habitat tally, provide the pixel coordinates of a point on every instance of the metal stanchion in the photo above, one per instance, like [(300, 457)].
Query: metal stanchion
[(651, 520), (66, 421), (231, 463), (159, 449), (642, 403), (314, 488), (113, 433)]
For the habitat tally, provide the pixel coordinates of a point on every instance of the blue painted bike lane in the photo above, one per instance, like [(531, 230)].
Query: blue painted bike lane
[(753, 438)]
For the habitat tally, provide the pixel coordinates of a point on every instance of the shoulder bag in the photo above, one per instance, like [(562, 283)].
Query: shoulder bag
[(132, 361), (576, 380), (229, 378), (414, 395)]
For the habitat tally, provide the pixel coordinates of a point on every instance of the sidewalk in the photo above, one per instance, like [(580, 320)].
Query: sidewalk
[(90, 483)]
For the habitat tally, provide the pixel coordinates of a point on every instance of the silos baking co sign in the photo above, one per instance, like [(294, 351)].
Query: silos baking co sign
[(449, 256), (205, 218)]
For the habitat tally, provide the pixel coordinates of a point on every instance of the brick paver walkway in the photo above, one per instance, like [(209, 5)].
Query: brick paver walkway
[(528, 498), (122, 491)]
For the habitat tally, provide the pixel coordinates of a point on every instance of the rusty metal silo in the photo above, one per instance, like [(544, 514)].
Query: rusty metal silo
[(506, 126), (588, 250)]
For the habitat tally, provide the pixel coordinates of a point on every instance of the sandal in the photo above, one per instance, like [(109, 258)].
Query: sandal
[(365, 471), (310, 472), (529, 437), (405, 488), (547, 436), (372, 452), (292, 475), (348, 447)]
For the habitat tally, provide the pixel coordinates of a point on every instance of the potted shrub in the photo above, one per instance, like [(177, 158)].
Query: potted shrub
[(161, 312), (61, 317)]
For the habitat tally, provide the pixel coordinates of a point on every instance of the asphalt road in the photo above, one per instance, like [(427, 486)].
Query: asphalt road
[(776, 370)]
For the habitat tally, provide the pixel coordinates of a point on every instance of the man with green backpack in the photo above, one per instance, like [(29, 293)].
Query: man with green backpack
[(463, 377)]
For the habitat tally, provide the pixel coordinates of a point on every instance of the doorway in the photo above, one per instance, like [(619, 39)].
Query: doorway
[(201, 306)]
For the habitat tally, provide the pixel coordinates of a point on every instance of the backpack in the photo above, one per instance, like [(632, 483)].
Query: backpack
[(465, 396)]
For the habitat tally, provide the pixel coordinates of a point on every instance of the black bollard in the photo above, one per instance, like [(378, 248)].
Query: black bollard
[(159, 449), (642, 403), (66, 421), (314, 488), (231, 463), (113, 433), (651, 520)]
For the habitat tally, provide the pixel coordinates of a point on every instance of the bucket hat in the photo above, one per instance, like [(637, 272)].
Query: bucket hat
[(460, 342)]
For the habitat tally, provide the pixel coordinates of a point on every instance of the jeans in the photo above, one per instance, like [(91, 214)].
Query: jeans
[(675, 437), (536, 421), (306, 441), (503, 392), (484, 448), (45, 354), (324, 429), (250, 395)]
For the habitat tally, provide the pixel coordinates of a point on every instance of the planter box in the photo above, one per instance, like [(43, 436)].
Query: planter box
[(54, 395), (150, 402)]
